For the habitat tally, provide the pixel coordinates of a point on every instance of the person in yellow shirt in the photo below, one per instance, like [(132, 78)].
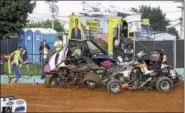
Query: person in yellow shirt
[(58, 45), (16, 59)]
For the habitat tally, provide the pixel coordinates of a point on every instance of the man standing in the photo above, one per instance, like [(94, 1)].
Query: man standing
[(76, 33), (58, 46), (44, 49), (16, 59)]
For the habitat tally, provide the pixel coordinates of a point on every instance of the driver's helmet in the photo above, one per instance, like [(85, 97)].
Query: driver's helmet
[(107, 64), (76, 51), (155, 57)]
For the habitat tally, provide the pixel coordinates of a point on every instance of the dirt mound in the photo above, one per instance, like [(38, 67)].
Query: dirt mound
[(75, 99)]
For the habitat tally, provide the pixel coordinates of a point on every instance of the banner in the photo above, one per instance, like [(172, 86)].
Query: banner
[(112, 24), (92, 25), (146, 21), (134, 27), (72, 21)]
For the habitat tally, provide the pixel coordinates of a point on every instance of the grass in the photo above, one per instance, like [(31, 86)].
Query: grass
[(33, 69)]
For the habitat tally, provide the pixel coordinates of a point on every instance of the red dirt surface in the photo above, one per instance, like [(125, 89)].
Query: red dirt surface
[(75, 99)]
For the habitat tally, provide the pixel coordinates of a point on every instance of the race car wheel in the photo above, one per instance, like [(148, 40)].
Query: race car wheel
[(114, 86), (50, 81), (164, 84)]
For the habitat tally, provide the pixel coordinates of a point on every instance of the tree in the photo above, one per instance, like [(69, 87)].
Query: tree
[(58, 26), (174, 32), (13, 15), (157, 18)]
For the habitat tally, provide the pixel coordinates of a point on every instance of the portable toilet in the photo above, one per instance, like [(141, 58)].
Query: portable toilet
[(22, 37), (29, 43), (50, 36), (38, 36)]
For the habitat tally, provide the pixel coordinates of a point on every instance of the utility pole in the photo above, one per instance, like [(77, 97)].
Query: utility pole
[(182, 14), (182, 18), (54, 9), (53, 16)]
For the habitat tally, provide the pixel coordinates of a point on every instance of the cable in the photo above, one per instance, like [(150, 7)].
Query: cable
[(171, 12)]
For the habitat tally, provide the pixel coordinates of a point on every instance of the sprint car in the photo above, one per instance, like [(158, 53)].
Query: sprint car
[(10, 104)]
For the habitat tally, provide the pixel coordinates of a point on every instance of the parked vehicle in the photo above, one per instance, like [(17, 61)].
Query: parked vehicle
[(9, 104)]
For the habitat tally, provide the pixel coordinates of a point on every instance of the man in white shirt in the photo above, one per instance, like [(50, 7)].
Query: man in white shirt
[(58, 45)]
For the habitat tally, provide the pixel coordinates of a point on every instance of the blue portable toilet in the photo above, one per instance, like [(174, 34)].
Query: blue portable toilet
[(38, 36), (22, 37), (50, 36), (29, 43)]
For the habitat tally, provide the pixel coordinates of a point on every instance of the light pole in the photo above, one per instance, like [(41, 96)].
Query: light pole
[(182, 17)]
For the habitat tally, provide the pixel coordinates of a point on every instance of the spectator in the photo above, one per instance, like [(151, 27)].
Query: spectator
[(15, 63), (58, 46), (58, 43), (24, 56), (44, 49)]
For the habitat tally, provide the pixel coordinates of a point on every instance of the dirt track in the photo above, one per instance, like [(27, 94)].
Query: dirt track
[(41, 99)]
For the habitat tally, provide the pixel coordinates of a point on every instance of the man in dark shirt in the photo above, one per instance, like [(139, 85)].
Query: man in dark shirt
[(44, 49), (76, 33)]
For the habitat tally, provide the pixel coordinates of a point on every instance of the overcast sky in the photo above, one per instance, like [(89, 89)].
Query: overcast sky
[(41, 12)]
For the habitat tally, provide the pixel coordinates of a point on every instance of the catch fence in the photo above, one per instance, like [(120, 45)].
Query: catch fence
[(175, 54)]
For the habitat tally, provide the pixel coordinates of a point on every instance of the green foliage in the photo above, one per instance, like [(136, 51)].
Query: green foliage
[(157, 18), (34, 69), (13, 15), (58, 26), (174, 32)]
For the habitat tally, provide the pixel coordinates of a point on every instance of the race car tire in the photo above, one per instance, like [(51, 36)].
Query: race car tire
[(50, 81), (164, 84), (114, 86)]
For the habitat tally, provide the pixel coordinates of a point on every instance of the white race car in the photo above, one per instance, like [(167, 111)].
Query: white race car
[(10, 104)]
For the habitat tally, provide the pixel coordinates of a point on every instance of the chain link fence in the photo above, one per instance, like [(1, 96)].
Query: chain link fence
[(174, 54)]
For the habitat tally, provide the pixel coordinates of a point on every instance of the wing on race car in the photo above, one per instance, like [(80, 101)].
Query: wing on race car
[(9, 105), (62, 57)]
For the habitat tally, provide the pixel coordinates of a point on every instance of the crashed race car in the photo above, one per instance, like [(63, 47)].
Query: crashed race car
[(144, 73), (79, 63), (10, 104)]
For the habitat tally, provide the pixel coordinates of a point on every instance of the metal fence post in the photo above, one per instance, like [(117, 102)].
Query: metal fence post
[(174, 53), (134, 52)]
